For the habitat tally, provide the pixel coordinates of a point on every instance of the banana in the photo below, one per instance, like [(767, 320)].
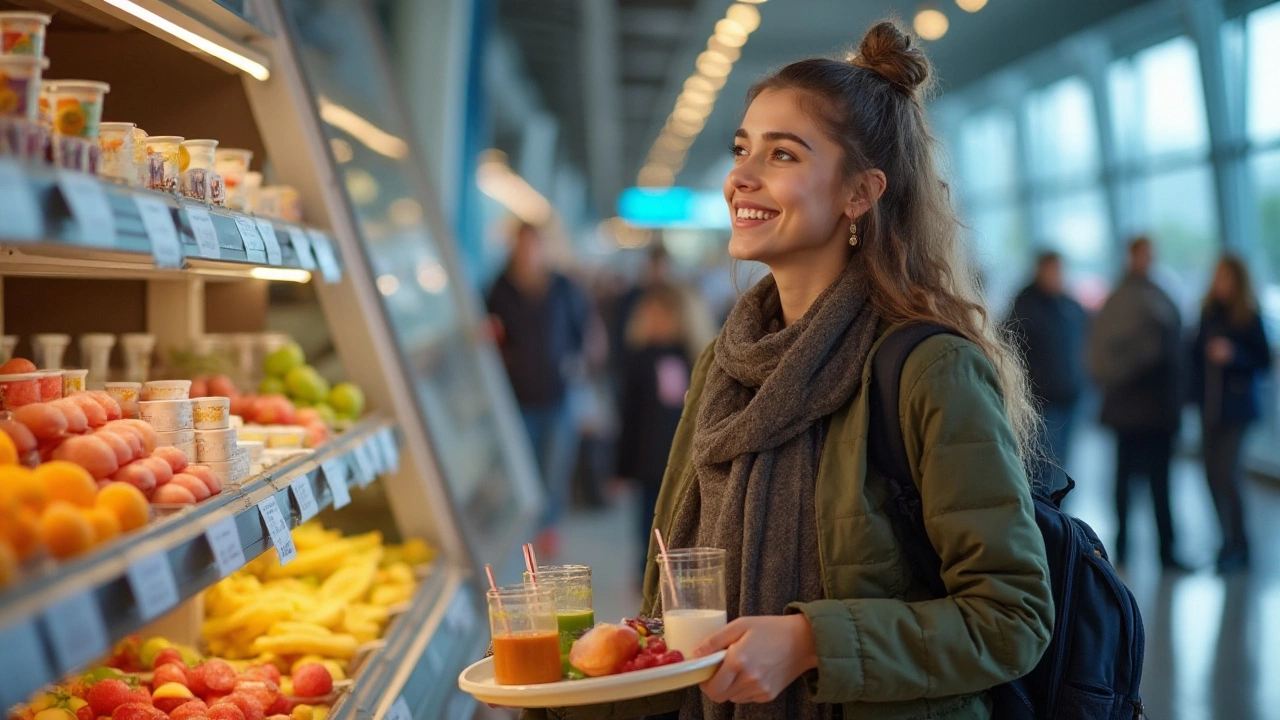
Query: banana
[(333, 646)]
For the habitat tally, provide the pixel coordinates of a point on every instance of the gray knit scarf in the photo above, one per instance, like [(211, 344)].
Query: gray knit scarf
[(761, 424)]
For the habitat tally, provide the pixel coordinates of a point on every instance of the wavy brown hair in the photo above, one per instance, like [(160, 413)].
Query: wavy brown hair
[(872, 104), (1242, 308)]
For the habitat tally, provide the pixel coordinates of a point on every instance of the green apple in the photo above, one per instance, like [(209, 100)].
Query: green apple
[(326, 411), (304, 383), (283, 360), (347, 400), (272, 385)]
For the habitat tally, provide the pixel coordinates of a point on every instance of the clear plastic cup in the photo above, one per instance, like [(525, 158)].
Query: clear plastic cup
[(49, 349), (140, 172), (217, 189), (116, 141), (252, 188), (95, 354), (267, 203), (233, 164), (127, 395), (8, 343), (51, 382), (575, 613), (195, 180), (22, 33), (290, 204), (526, 642), (194, 183), (200, 154), (693, 597), (76, 106), (73, 381), (138, 348), (20, 85), (26, 140), (20, 389), (164, 162)]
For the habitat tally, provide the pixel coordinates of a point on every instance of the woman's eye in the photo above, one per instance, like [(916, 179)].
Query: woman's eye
[(737, 150), (780, 154)]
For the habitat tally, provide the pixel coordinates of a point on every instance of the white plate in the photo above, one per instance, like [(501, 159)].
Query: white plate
[(478, 681)]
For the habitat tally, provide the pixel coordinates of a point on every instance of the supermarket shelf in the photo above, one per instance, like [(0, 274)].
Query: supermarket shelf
[(98, 586), (424, 650), (58, 245)]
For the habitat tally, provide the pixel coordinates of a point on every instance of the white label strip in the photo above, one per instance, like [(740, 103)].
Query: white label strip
[(278, 529), (268, 233), (224, 540), (205, 233), (89, 208), (19, 214), (157, 220), (75, 630), (154, 589), (390, 453), (307, 506), (254, 247), (325, 256), (335, 474), (364, 469), (302, 246)]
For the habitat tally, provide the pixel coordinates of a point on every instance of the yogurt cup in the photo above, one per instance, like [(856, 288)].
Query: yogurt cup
[(167, 415), (127, 395), (254, 448), (235, 470), (215, 445), (286, 437), (211, 413), (73, 381), (164, 162), (233, 165), (140, 170), (249, 193), (22, 33), (166, 390), (184, 440), (137, 355), (254, 433), (217, 190), (19, 389), (95, 353), (236, 422), (49, 348), (116, 142), (76, 106), (200, 154), (20, 86), (50, 385), (8, 343)]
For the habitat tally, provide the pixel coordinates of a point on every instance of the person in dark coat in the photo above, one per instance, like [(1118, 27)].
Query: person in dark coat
[(1050, 327), (1229, 356), (1134, 355)]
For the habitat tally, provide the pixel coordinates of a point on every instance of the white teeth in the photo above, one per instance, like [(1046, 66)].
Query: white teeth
[(753, 214)]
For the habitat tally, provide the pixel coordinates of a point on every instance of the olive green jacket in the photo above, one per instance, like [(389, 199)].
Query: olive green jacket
[(886, 650)]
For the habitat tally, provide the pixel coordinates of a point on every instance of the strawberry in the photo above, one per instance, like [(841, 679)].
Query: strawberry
[(218, 676), (137, 711), (107, 695), (223, 710), (166, 656), (312, 680), (247, 704), (169, 673), (189, 710)]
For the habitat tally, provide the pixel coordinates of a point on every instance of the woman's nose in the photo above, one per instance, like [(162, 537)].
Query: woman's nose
[(744, 175)]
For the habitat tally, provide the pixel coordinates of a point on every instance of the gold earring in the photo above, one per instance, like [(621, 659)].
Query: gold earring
[(853, 234)]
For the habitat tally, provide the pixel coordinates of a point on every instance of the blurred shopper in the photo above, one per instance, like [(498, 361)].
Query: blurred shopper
[(1133, 355), (654, 382), (1229, 354), (835, 189), (1050, 326), (542, 318)]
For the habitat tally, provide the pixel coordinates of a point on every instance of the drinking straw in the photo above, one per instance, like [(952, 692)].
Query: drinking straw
[(529, 564), (662, 547), (533, 557), (488, 570)]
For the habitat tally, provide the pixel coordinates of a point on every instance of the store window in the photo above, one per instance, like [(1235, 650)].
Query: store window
[(1265, 169), (1001, 249), (1263, 42), (1158, 102), (988, 155), (1076, 225), (1178, 210), (1063, 141)]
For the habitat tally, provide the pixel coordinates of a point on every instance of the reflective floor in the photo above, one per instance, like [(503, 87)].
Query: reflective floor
[(1213, 644)]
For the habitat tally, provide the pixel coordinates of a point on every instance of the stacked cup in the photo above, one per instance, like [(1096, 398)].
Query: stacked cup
[(166, 406), (22, 65)]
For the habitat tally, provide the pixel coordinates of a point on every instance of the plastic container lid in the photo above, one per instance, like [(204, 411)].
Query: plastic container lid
[(29, 16), (117, 126), (69, 85), (26, 60), (201, 143), (165, 138)]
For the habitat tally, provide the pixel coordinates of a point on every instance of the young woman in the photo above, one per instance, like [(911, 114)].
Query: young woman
[(1230, 353), (835, 189)]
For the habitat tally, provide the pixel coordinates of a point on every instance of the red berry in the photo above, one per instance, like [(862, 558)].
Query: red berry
[(657, 646), (137, 711), (169, 673), (312, 680), (672, 657), (166, 656), (248, 705), (107, 695), (628, 666), (218, 676), (644, 662), (280, 706), (85, 713), (189, 710), (223, 710), (263, 672)]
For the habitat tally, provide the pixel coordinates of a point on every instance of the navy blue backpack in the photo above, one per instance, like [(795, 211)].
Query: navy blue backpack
[(1093, 666)]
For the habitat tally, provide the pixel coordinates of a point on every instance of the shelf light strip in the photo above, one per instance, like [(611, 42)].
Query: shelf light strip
[(280, 274), (231, 57), (372, 136)]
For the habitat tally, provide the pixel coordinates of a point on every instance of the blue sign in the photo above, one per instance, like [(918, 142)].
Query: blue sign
[(676, 207)]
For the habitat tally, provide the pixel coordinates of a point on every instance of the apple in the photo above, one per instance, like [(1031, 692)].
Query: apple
[(306, 384), (272, 385), (347, 399), (283, 360)]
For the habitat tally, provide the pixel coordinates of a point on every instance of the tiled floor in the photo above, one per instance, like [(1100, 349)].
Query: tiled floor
[(1213, 644)]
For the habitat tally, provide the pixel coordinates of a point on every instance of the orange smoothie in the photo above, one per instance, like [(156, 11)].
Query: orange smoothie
[(527, 658)]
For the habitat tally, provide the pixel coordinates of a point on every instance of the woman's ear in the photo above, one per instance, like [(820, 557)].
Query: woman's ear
[(868, 186)]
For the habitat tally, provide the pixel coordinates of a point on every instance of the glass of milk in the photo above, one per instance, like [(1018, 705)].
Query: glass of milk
[(692, 583)]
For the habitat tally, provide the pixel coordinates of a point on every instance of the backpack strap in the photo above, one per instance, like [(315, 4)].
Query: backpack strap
[(887, 451)]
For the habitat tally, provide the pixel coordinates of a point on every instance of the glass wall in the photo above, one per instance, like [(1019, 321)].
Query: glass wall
[(988, 162)]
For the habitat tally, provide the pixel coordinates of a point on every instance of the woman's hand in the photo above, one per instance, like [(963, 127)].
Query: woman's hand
[(766, 654), (1220, 351)]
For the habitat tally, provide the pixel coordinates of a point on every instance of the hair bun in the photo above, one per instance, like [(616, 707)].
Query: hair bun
[(891, 52)]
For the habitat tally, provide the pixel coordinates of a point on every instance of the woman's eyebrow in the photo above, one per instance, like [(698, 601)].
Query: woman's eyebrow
[(774, 135)]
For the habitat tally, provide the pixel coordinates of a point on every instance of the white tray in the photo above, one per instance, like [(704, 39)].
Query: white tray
[(478, 681)]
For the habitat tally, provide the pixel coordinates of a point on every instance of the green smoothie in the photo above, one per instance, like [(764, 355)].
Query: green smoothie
[(572, 624)]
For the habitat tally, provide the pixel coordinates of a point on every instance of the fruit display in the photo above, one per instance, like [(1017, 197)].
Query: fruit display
[(335, 595), (628, 646)]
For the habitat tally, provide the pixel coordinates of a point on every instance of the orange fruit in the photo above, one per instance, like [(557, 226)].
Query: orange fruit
[(8, 451), (23, 485), (68, 482), (8, 563), (21, 529), (127, 503), (104, 522), (65, 530)]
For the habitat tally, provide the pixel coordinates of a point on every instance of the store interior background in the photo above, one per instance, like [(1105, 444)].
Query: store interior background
[(1067, 126)]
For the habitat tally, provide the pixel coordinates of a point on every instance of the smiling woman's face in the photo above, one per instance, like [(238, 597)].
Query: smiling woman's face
[(786, 194)]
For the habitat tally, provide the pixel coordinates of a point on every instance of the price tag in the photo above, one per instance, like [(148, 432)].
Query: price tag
[(325, 256), (224, 540), (75, 630), (205, 233), (335, 473), (399, 710), (19, 214), (154, 589), (307, 505), (302, 246), (157, 220), (390, 452), (89, 207), (253, 245), (23, 664), (268, 233), (278, 529), (364, 466)]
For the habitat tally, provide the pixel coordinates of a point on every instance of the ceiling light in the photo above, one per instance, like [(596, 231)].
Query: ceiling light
[(695, 101), (731, 53), (755, 2), (432, 276), (656, 176), (713, 65), (730, 56), (280, 274), (972, 6), (931, 24), (727, 28), (231, 57), (748, 16), (699, 82), (388, 285), (501, 183), (686, 126), (372, 136), (342, 151), (687, 115)]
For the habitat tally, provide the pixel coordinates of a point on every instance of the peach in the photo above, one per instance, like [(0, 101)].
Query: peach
[(312, 680), (108, 404), (131, 435), (17, 366), (193, 484), (93, 412), (274, 410), (145, 430), (173, 494), (127, 503), (23, 439), (174, 456), (77, 421), (160, 468), (317, 434), (91, 453), (604, 649), (120, 446), (206, 476), (137, 475), (45, 421)]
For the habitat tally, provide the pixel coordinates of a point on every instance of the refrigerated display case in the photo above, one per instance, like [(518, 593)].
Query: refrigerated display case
[(440, 455)]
